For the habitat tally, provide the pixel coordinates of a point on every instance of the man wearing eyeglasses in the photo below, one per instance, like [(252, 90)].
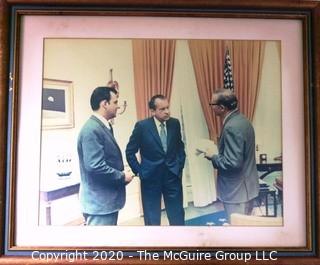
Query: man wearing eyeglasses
[(238, 181)]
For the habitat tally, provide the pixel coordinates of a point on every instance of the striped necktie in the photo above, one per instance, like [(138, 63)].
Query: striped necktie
[(163, 137), (111, 129)]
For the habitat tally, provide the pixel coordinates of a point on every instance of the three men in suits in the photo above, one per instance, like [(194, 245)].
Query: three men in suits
[(103, 179), (238, 181), (159, 141)]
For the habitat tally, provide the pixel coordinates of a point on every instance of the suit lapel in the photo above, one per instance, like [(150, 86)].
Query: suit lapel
[(107, 131), (228, 119), (169, 132)]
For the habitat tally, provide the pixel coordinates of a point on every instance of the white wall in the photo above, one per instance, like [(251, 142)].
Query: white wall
[(198, 172), (86, 62), (267, 118)]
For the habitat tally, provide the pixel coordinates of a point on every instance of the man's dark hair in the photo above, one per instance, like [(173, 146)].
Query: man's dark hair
[(101, 93), (152, 104), (227, 98)]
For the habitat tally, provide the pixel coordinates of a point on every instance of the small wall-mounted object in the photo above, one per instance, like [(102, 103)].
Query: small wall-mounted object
[(263, 158), (123, 107), (257, 148), (64, 165), (115, 85), (278, 158)]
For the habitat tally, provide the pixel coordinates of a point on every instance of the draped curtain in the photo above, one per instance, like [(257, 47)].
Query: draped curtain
[(153, 63), (247, 58), (208, 62)]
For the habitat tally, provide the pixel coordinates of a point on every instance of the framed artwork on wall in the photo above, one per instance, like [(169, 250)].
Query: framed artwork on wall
[(57, 104)]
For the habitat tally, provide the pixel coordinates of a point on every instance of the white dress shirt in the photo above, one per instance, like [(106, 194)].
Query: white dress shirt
[(102, 119), (158, 123)]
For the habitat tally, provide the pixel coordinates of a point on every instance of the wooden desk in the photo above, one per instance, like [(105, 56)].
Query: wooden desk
[(55, 189), (268, 168)]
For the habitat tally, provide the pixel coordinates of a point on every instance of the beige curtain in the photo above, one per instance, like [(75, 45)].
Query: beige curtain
[(247, 59), (153, 63), (208, 59), (208, 62)]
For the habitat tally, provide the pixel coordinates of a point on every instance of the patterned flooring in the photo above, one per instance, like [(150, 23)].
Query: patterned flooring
[(190, 212)]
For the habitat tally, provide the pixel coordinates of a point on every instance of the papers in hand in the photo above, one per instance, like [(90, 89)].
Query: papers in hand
[(128, 169), (206, 147)]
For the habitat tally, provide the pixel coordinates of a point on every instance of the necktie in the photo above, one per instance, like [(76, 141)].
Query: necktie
[(111, 129), (163, 137)]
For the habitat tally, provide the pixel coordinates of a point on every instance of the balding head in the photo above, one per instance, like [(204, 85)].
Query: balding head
[(226, 98)]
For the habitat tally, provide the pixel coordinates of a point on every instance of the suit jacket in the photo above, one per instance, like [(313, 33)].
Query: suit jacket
[(145, 138), (238, 179), (102, 188)]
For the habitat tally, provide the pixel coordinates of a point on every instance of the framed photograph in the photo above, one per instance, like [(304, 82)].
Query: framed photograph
[(40, 177), (57, 104)]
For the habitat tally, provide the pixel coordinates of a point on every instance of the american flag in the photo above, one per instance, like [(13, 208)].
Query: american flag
[(227, 73)]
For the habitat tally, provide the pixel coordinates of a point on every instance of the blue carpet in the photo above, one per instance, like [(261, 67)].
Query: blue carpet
[(216, 219)]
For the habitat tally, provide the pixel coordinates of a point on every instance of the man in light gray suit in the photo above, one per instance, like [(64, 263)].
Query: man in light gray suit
[(103, 179), (238, 181)]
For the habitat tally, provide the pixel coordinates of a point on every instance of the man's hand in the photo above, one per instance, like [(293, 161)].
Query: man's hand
[(207, 152), (128, 175)]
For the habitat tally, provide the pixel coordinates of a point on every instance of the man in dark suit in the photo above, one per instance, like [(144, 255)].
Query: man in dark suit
[(238, 181), (162, 160), (103, 179)]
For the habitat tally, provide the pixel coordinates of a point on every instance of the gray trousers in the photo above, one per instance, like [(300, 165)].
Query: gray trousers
[(242, 208), (106, 219)]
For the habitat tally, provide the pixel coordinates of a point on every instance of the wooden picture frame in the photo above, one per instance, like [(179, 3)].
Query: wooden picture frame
[(308, 12)]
